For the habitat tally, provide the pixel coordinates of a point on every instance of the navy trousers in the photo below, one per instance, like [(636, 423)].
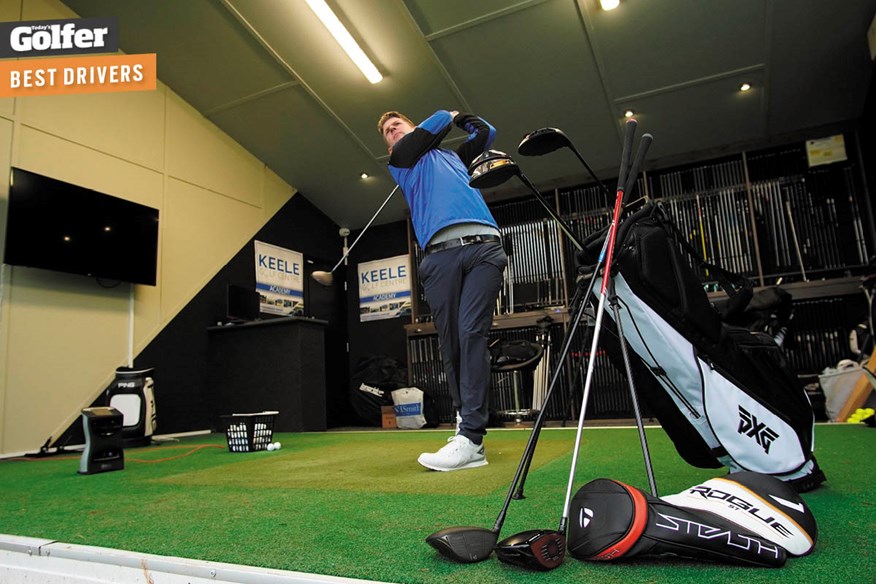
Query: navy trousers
[(461, 285)]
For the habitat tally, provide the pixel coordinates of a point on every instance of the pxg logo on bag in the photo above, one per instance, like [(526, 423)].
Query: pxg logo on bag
[(72, 36)]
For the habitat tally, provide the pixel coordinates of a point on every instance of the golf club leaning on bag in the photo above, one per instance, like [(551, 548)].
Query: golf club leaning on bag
[(542, 550), (494, 167), (545, 549), (474, 544), (327, 278)]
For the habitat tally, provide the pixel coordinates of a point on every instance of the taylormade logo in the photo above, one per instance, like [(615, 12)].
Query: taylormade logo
[(59, 37), (585, 515), (750, 426)]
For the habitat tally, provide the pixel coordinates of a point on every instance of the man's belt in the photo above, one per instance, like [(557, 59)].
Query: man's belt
[(458, 241)]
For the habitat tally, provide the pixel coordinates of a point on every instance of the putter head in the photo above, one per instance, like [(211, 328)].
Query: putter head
[(464, 544), (543, 141), (536, 549), (491, 168), (324, 278)]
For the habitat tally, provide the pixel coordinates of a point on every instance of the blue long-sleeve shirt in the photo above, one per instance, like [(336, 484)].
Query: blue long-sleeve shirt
[(435, 180)]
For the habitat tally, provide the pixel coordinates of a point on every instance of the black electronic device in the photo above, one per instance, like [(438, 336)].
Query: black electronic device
[(103, 440), (55, 225), (242, 304)]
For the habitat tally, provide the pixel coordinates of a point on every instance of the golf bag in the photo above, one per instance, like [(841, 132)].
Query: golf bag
[(724, 394), (743, 518)]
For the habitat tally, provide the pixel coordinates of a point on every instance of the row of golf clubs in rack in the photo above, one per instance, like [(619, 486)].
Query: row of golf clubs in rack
[(763, 214), (542, 549), (767, 215)]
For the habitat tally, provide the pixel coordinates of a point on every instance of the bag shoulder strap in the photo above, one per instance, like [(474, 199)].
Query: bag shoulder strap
[(730, 282)]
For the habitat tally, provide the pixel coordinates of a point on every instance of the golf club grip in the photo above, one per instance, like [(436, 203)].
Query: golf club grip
[(638, 162), (626, 153)]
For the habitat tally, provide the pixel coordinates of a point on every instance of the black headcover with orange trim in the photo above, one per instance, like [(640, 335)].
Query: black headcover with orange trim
[(609, 520)]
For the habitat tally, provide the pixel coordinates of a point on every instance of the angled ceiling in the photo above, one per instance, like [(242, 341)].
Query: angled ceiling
[(268, 74)]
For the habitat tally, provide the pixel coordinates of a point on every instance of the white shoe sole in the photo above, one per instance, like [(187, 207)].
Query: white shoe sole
[(474, 464)]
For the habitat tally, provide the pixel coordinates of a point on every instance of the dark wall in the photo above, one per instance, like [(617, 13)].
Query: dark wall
[(380, 337), (179, 353), (867, 137)]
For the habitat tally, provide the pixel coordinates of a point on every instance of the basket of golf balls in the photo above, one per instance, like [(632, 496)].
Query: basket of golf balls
[(250, 432)]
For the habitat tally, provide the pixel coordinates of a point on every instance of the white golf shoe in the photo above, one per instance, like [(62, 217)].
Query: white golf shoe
[(457, 454)]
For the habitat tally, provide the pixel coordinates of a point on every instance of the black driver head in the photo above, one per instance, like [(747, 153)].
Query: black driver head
[(536, 549), (464, 544), (491, 168), (543, 141)]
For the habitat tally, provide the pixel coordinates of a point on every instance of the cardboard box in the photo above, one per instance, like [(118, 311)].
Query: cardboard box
[(388, 416)]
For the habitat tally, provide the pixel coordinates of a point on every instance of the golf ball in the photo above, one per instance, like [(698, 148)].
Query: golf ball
[(277, 445), (271, 447)]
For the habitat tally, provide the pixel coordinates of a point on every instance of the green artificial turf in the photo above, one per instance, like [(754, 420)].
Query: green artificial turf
[(357, 504)]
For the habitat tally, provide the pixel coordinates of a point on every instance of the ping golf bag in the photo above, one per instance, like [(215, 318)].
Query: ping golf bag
[(725, 395), (742, 518)]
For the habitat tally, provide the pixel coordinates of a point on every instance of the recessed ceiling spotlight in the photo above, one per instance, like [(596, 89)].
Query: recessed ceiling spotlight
[(364, 175), (745, 87), (629, 113), (609, 4)]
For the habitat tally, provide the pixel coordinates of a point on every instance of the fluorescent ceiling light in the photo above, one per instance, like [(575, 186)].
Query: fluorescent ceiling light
[(334, 26), (609, 4)]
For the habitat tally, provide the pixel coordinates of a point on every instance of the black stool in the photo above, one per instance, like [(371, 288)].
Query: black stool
[(516, 357)]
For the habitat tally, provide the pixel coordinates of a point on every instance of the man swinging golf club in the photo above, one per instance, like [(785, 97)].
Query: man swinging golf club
[(461, 272)]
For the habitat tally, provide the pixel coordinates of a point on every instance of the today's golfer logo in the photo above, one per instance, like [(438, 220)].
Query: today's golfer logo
[(74, 36), (64, 72)]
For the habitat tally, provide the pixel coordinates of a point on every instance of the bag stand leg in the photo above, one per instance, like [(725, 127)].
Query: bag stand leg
[(646, 453)]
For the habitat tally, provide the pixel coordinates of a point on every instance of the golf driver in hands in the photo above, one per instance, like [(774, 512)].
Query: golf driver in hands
[(462, 271)]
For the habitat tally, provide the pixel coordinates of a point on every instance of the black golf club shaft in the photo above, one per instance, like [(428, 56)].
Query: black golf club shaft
[(640, 426), (579, 300), (576, 241)]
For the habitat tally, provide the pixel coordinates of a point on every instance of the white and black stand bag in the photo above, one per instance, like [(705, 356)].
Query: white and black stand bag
[(725, 395)]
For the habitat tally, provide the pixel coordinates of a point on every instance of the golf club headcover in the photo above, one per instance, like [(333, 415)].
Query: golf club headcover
[(757, 502), (612, 521)]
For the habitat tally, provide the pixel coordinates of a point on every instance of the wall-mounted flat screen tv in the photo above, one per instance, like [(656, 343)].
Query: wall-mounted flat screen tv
[(59, 226)]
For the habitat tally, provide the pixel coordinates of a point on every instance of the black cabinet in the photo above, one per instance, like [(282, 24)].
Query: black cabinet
[(276, 364)]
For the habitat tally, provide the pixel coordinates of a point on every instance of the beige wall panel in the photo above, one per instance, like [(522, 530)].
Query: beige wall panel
[(64, 160), (7, 108), (202, 233), (66, 337), (276, 193), (199, 153), (44, 10), (129, 125), (6, 129), (10, 10)]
